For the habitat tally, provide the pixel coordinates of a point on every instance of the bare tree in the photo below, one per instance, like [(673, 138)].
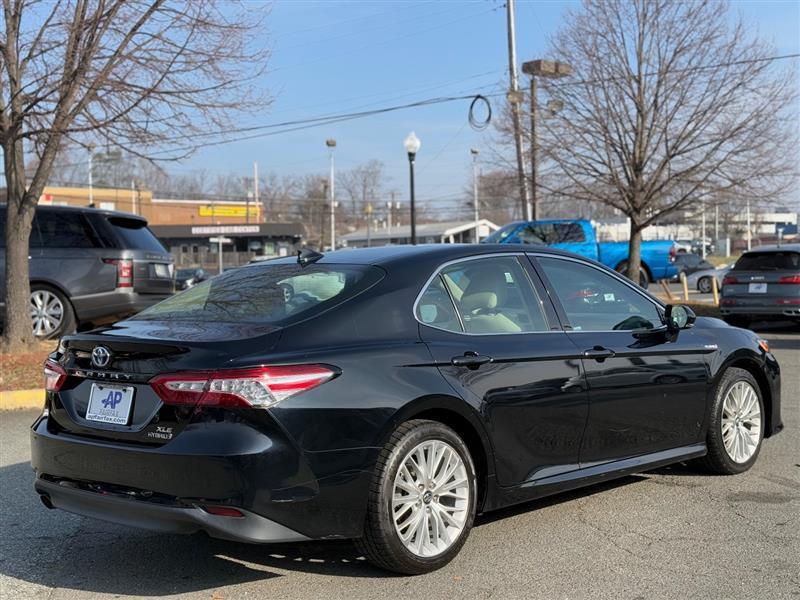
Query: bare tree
[(361, 185), (131, 74), (671, 102)]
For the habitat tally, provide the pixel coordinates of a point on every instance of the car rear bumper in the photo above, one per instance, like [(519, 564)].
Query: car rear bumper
[(283, 491), (775, 311), (249, 527), (119, 303)]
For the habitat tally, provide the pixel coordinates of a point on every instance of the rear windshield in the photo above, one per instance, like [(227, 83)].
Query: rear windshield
[(271, 294), (768, 261), (133, 234)]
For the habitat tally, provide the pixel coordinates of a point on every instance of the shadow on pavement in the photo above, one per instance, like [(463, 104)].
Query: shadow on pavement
[(55, 549)]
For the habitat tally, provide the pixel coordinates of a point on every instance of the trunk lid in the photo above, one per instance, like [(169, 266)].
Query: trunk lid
[(760, 277), (137, 352)]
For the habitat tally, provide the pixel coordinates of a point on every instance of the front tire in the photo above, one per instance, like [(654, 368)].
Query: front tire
[(704, 285), (736, 425), (422, 499)]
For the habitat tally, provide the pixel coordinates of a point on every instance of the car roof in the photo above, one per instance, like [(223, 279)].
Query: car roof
[(774, 248), (90, 209), (395, 255)]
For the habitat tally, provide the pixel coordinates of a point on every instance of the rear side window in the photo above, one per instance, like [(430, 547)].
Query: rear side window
[(266, 294), (768, 261), (492, 296), (62, 229), (133, 234)]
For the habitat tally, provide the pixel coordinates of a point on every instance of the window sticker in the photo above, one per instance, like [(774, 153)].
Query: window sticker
[(609, 298)]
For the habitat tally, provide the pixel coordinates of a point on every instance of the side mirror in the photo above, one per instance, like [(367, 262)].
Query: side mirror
[(679, 317)]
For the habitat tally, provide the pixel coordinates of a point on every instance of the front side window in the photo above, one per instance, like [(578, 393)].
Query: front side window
[(491, 296), (597, 301), (551, 233)]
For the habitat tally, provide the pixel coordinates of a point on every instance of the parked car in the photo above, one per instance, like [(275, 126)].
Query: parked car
[(88, 266), (395, 394), (186, 278), (701, 280), (763, 284), (579, 236), (689, 262)]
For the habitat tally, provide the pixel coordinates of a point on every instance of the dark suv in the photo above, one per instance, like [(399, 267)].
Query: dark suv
[(763, 284), (89, 266)]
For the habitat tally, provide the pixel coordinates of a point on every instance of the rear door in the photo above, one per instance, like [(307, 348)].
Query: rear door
[(64, 249), (496, 340), (646, 393)]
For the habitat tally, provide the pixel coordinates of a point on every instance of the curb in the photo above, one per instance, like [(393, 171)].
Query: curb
[(21, 399)]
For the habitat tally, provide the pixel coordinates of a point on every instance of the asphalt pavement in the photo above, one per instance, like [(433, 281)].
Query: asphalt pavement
[(672, 533)]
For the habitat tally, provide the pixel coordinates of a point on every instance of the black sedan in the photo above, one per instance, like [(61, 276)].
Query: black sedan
[(390, 394)]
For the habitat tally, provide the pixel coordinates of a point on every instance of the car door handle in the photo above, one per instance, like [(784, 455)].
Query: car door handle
[(599, 353), (471, 360)]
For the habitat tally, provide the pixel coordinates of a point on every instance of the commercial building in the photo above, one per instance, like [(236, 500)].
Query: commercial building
[(453, 232)]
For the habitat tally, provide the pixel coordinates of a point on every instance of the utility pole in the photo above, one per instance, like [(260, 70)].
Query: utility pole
[(91, 186), (749, 234), (368, 210), (515, 99), (134, 204), (703, 231), (389, 217), (255, 191), (475, 205), (331, 144), (716, 223)]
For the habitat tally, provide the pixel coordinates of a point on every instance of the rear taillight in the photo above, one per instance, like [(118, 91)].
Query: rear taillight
[(54, 376), (673, 252), (789, 301), (124, 271), (795, 279), (729, 280), (255, 387)]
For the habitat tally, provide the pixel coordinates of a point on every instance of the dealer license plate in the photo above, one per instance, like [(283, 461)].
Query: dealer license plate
[(110, 404)]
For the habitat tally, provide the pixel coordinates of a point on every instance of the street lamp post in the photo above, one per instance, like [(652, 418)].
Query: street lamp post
[(551, 69), (474, 152), (412, 144), (331, 143)]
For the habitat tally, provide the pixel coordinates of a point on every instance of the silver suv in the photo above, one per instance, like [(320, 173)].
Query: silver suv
[(89, 267), (763, 284)]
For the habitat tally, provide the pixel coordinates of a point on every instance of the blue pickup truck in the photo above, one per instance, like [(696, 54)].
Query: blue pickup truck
[(578, 236)]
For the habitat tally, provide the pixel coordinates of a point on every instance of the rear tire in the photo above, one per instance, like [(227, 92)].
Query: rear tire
[(51, 312), (644, 278), (434, 517), (736, 424)]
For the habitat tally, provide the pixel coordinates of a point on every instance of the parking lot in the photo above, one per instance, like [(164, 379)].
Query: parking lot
[(670, 533)]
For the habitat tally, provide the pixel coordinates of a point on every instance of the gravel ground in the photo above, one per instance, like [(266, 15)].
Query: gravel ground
[(672, 533)]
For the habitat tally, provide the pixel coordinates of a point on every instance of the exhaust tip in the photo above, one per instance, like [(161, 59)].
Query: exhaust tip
[(46, 501)]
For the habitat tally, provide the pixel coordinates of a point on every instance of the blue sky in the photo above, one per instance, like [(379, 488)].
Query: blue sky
[(331, 57)]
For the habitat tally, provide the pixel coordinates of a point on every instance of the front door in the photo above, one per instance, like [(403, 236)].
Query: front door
[(647, 393), (501, 348)]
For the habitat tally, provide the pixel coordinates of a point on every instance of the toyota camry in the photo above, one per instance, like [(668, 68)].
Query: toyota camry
[(388, 395)]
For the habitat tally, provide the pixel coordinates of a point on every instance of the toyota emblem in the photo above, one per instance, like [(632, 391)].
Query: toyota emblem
[(101, 356)]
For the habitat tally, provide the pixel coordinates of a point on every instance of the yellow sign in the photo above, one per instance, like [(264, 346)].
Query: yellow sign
[(227, 210)]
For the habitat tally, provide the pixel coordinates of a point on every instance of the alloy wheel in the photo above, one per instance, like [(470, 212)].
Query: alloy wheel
[(704, 285), (430, 500), (741, 422), (47, 313)]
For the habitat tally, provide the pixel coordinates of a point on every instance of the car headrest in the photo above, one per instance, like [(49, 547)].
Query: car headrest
[(478, 300)]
